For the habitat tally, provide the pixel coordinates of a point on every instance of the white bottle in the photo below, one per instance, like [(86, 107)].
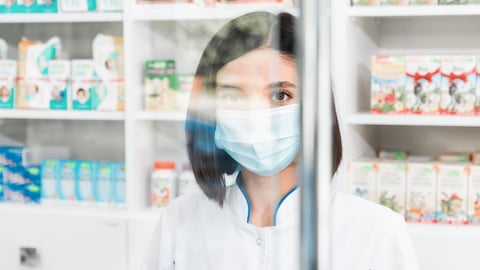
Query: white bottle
[(186, 181), (163, 183)]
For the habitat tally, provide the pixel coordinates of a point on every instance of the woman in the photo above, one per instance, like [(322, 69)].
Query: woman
[(244, 117)]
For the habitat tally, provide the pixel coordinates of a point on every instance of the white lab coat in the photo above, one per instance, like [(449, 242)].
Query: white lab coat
[(195, 233)]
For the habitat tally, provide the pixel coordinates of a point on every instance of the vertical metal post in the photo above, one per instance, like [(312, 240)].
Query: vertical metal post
[(316, 153)]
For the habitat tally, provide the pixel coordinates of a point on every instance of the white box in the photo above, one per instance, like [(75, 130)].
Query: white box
[(391, 185), (473, 206), (452, 193), (421, 191), (361, 178)]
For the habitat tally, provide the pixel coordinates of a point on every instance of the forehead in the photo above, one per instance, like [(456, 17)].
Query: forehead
[(260, 64)]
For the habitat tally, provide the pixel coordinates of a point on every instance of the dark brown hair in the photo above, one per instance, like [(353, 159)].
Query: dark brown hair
[(235, 39)]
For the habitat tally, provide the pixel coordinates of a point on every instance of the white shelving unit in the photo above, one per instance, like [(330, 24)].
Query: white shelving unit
[(364, 31), (138, 137)]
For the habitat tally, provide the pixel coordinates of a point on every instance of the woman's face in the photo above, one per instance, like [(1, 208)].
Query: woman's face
[(260, 79)]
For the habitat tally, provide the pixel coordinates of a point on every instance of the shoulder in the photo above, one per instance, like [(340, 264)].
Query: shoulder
[(190, 205)]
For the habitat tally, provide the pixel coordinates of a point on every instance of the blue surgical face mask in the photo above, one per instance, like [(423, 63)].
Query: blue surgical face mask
[(262, 141)]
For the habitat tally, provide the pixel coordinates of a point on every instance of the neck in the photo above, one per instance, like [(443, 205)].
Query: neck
[(265, 192)]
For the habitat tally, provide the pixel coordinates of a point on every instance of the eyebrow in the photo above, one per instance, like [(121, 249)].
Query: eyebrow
[(282, 84)]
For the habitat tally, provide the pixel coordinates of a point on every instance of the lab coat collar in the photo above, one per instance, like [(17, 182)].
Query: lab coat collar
[(288, 208), (286, 211)]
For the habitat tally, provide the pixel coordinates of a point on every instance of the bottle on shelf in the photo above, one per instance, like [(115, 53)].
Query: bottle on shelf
[(163, 182)]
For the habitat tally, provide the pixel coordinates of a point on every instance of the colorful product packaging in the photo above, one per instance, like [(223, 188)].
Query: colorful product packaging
[(366, 2), (361, 179), (423, 84), (458, 84), (58, 84), (84, 83), (452, 193), (473, 206), (161, 85), (8, 76), (66, 181), (102, 183), (33, 71), (108, 61), (118, 183), (22, 184), (475, 158), (85, 171), (387, 84), (14, 156), (421, 192), (78, 5), (50, 174), (391, 183)]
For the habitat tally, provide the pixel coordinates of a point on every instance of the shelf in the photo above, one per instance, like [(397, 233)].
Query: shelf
[(61, 115), (440, 230), (168, 12), (413, 11), (413, 120), (161, 116), (62, 17), (63, 210)]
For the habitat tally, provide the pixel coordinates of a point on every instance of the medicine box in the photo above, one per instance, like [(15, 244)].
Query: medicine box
[(8, 76), (473, 206), (452, 193), (84, 176), (391, 185), (361, 178), (50, 176), (387, 84), (421, 192), (423, 84)]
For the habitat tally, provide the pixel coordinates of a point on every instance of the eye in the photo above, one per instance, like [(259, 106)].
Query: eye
[(280, 96)]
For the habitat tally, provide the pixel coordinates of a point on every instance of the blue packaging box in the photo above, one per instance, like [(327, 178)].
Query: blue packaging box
[(22, 184), (84, 176), (66, 180), (29, 6), (13, 155), (50, 174), (102, 182), (118, 183)]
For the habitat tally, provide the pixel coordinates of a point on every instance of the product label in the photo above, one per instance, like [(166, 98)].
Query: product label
[(161, 191), (161, 85)]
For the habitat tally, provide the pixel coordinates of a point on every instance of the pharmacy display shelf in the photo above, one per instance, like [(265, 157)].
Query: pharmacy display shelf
[(62, 17), (64, 210), (413, 120), (413, 11), (161, 116), (176, 12), (62, 115), (443, 229)]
